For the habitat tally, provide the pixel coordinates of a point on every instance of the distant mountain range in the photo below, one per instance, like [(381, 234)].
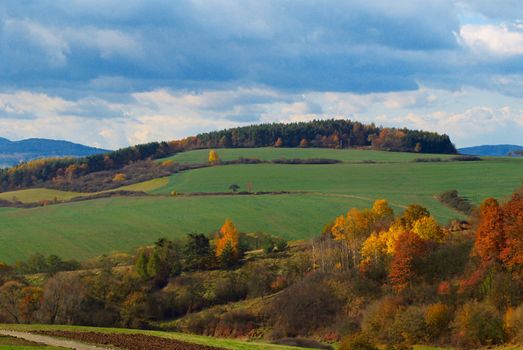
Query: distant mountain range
[(493, 150), (13, 152)]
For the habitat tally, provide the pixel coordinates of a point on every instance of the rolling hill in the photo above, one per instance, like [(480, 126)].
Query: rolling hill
[(12, 152), (491, 150), (314, 195)]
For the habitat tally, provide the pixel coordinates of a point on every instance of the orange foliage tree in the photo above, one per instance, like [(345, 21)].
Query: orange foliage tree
[(408, 249), (227, 239)]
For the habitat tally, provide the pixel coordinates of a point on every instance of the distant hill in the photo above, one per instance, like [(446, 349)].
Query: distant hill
[(491, 150), (13, 152)]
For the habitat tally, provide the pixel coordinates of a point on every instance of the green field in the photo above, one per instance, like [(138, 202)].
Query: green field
[(86, 229), (35, 195), (270, 153), (38, 194)]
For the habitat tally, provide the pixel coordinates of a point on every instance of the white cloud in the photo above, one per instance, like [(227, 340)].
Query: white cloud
[(165, 114), (502, 39)]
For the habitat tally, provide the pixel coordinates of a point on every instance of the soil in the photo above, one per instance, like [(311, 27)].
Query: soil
[(128, 341)]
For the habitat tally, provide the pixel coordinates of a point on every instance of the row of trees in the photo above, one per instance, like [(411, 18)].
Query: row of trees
[(319, 133)]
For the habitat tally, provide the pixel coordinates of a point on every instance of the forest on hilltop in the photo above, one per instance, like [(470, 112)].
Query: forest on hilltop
[(319, 133)]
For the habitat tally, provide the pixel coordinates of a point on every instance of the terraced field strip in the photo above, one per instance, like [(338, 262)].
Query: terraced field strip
[(52, 341)]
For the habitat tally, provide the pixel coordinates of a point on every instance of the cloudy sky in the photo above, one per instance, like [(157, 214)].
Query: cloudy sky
[(114, 73)]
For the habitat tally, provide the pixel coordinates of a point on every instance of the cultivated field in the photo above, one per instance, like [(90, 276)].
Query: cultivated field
[(318, 194), (189, 338)]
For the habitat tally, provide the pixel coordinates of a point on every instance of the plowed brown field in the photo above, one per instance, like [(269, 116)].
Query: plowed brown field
[(128, 341)]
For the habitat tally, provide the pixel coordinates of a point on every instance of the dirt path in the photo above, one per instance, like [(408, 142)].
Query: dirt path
[(42, 339)]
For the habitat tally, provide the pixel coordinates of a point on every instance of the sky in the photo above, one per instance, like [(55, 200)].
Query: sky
[(121, 72)]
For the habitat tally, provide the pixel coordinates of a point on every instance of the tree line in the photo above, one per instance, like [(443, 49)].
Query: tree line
[(318, 133)]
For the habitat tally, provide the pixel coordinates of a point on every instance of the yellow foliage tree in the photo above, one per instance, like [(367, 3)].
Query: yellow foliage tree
[(279, 142), (228, 236), (353, 229), (214, 158), (374, 247), (119, 177), (392, 235), (383, 215), (427, 228)]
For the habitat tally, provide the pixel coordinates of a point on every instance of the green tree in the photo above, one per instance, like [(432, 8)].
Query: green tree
[(197, 252), (140, 266), (234, 187), (154, 265)]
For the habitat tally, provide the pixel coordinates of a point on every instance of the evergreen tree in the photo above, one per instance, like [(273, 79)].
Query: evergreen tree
[(140, 266)]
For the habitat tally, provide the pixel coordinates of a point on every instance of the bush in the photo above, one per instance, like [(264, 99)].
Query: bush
[(379, 317), (304, 306), (476, 325), (302, 343), (452, 199), (409, 326), (237, 323), (465, 159), (437, 317), (357, 342), (513, 322)]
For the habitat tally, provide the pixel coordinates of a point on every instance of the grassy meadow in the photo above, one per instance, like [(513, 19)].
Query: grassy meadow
[(271, 153), (90, 228)]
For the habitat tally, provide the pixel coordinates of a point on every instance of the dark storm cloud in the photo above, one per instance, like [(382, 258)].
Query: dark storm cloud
[(355, 46)]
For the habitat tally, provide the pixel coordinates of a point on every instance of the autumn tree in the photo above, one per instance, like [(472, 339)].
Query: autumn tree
[(10, 297), (214, 158), (119, 177), (383, 215), (304, 143), (226, 242), (490, 232), (427, 228), (30, 302), (355, 227), (408, 249), (413, 213), (278, 143), (512, 252)]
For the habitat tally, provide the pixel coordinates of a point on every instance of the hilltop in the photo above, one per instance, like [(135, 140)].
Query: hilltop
[(14, 152), (492, 150)]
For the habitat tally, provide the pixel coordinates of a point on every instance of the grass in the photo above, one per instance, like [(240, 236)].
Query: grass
[(197, 339), (85, 229), (400, 183), (26, 347), (38, 194), (11, 343), (33, 195), (270, 153)]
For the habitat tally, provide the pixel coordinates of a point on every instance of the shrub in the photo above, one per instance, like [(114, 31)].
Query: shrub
[(478, 324), (513, 322), (465, 159), (409, 326), (437, 318), (379, 317), (119, 177), (237, 323), (452, 199), (304, 306), (358, 342)]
